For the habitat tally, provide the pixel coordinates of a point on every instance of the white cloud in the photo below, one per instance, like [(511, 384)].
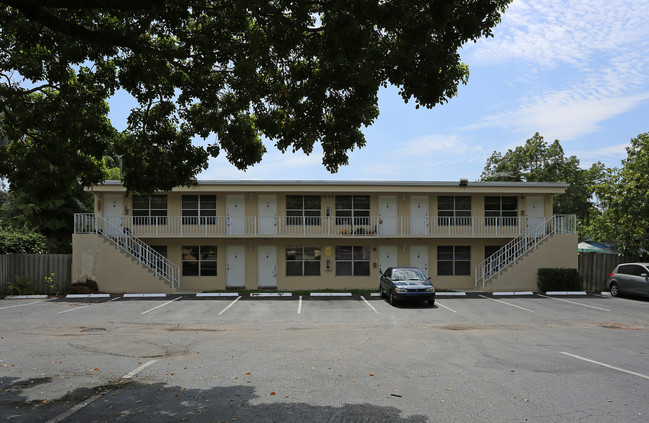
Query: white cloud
[(548, 33), (565, 114)]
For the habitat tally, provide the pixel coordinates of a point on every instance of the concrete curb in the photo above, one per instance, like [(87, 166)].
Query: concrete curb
[(331, 294), (566, 293), (156, 295), (271, 294), (87, 296), (25, 297), (217, 294), (514, 293)]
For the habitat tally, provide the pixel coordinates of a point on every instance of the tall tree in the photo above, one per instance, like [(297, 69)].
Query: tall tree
[(296, 72), (536, 161), (624, 201)]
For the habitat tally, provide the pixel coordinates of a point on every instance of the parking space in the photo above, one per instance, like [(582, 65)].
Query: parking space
[(503, 358)]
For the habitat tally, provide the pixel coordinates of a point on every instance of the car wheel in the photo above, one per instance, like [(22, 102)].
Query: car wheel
[(615, 291), (393, 300), (381, 293), (431, 302)]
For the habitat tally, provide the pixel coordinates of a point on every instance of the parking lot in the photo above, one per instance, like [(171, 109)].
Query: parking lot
[(478, 357)]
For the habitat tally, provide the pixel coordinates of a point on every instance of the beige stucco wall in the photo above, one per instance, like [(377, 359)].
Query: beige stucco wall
[(558, 251), (115, 272)]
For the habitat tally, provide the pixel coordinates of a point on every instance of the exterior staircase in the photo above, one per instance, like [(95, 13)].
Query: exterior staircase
[(161, 267), (525, 244)]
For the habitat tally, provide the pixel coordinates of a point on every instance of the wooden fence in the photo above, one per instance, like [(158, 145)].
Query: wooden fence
[(35, 267), (595, 267)]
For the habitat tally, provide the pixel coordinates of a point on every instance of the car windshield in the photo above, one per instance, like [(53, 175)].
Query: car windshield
[(408, 275)]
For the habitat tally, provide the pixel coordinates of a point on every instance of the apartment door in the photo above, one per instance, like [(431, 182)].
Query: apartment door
[(387, 215), (419, 257), (235, 214), (388, 257), (419, 218), (267, 266), (235, 272), (114, 213), (267, 214), (534, 211)]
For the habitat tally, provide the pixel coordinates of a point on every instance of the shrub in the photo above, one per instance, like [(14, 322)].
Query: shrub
[(22, 286), (22, 241), (559, 280), (84, 287)]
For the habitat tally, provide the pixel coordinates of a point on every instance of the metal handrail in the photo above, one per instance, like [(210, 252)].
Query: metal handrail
[(90, 223), (516, 248)]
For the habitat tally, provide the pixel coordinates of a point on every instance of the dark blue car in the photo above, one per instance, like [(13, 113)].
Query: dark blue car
[(408, 284)]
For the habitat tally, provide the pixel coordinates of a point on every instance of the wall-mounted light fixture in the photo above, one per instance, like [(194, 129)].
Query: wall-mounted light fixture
[(250, 247), (403, 196), (404, 248)]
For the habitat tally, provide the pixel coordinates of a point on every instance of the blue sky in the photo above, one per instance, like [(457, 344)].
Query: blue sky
[(577, 71)]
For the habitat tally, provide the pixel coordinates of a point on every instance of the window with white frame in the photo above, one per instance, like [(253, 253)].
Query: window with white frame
[(150, 209), (453, 260), (353, 260), (303, 260), (199, 260), (501, 211), (303, 210), (199, 209), (352, 210), (454, 210)]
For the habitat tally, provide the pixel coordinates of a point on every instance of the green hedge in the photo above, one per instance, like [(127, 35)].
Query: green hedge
[(559, 280), (22, 242)]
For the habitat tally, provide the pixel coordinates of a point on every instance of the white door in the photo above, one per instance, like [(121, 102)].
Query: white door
[(235, 214), (267, 266), (267, 214), (388, 257), (419, 219), (535, 213), (114, 213), (419, 257), (387, 215), (235, 274)]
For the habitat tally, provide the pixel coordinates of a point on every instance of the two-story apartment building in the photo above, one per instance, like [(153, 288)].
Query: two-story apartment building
[(285, 235)]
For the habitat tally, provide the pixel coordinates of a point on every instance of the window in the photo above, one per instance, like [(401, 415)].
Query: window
[(490, 250), (352, 209), (454, 210), (353, 261), (199, 209), (149, 209), (453, 260), (501, 210), (302, 261), (199, 260), (303, 210)]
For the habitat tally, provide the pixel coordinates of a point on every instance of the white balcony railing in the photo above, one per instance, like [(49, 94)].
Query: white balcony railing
[(323, 226)]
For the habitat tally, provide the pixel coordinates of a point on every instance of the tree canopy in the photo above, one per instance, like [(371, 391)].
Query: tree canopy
[(230, 72), (538, 161), (624, 201)]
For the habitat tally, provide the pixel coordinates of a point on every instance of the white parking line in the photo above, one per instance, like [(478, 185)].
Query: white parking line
[(442, 305), (161, 305), (573, 302), (299, 305), (368, 304), (606, 365), (95, 397), (230, 305), (21, 305), (504, 302), (76, 308), (132, 373)]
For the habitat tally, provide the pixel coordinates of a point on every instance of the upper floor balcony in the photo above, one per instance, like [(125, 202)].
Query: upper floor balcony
[(313, 227)]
